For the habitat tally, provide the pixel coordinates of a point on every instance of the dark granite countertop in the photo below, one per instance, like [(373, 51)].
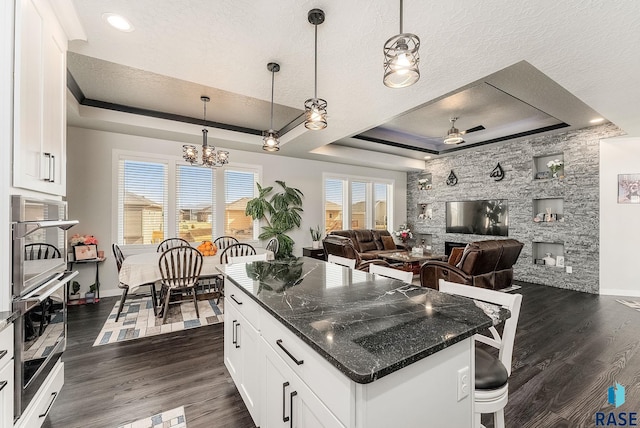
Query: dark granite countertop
[(367, 326), (6, 318)]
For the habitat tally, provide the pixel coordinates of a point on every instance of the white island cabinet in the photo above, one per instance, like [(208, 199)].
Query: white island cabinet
[(6, 377), (364, 354), (39, 155)]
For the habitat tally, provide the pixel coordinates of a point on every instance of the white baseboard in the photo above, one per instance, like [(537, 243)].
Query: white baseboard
[(619, 292)]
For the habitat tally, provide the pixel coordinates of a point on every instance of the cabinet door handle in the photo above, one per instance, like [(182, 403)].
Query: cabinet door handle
[(234, 299), (293, 394), (237, 337), (4, 383), (48, 159), (284, 397), (3, 353), (52, 169), (53, 398), (234, 340), (286, 351)]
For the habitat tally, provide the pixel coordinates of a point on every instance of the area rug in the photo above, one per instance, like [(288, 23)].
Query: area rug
[(630, 303), (171, 418), (137, 319)]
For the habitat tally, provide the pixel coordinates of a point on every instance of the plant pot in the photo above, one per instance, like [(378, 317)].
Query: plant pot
[(89, 297), (315, 245), (75, 296)]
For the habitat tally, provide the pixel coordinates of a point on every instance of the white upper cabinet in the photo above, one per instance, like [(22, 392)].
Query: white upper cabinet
[(40, 80)]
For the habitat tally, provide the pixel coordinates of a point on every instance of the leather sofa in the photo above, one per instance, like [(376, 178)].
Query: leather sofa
[(344, 247), (485, 264), (370, 243)]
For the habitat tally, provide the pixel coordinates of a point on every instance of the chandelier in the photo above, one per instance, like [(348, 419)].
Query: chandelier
[(210, 157), (315, 109), (271, 138), (401, 59)]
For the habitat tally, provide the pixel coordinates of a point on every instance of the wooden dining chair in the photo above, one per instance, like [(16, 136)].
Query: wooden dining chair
[(170, 243), (39, 251), (223, 242), (180, 269), (119, 257), (391, 273), (236, 250)]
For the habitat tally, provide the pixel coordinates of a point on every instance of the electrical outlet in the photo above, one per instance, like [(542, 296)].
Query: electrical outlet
[(464, 383), (569, 269)]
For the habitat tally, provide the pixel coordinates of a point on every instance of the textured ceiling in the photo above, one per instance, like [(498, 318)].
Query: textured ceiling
[(587, 48)]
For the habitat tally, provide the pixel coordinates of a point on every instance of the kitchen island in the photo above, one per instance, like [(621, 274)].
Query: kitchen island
[(310, 343)]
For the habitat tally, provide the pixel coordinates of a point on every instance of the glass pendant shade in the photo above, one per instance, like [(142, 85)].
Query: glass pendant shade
[(190, 153), (270, 141), (271, 138), (315, 110), (401, 60)]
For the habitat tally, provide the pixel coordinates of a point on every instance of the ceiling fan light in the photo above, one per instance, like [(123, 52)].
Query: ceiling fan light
[(315, 110), (401, 61)]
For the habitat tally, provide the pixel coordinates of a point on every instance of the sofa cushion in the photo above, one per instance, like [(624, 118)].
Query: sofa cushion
[(456, 255), (365, 240), (388, 243)]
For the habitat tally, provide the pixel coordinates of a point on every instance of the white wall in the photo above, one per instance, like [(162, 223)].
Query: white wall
[(619, 223), (89, 188)]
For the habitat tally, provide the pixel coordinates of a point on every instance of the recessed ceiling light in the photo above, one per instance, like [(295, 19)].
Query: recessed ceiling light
[(427, 157), (118, 22), (597, 120)]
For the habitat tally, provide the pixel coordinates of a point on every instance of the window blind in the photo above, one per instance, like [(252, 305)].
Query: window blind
[(380, 206), (333, 204), (142, 201), (239, 188), (358, 205), (195, 214)]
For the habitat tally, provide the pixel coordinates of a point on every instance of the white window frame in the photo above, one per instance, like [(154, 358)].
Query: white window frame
[(370, 198)]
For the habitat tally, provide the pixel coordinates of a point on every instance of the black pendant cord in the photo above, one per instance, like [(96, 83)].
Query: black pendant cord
[(315, 89), (205, 143), (273, 74)]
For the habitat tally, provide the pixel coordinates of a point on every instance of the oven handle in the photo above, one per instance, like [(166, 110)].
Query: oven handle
[(53, 285), (22, 229)]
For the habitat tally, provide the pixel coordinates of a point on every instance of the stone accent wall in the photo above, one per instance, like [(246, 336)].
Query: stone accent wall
[(579, 188)]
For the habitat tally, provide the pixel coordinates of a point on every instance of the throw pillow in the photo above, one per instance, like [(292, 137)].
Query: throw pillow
[(388, 242)]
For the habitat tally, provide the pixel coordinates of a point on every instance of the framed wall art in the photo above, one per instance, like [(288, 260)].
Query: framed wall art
[(629, 188)]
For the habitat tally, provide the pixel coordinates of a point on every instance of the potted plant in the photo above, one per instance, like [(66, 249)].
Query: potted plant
[(90, 295), (316, 235), (75, 288), (281, 212)]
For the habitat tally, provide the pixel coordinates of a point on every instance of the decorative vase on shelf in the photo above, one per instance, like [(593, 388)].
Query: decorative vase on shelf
[(549, 260), (315, 245)]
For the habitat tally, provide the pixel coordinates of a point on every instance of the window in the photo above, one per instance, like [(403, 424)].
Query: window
[(239, 188), (143, 202), (194, 197), (366, 205), (333, 198)]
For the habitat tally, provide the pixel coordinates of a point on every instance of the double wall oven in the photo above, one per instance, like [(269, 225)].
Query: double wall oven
[(39, 280)]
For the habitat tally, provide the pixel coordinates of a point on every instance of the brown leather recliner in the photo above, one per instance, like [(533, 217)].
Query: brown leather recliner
[(369, 243), (344, 247), (485, 264)]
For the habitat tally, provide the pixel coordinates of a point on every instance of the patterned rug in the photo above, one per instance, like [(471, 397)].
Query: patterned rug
[(137, 319), (171, 418), (630, 303)]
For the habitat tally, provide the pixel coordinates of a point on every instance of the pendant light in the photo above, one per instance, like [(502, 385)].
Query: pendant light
[(454, 136), (271, 138), (210, 157), (315, 109), (401, 59)]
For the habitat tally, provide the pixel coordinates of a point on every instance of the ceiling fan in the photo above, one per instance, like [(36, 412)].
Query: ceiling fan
[(454, 136)]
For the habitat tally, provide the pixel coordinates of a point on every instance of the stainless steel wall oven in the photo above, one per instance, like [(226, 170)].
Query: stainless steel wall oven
[(39, 291)]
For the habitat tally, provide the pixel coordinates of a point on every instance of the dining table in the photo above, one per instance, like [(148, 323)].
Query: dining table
[(143, 268)]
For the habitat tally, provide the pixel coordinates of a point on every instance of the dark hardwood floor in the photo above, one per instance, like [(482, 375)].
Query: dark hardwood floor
[(570, 347)]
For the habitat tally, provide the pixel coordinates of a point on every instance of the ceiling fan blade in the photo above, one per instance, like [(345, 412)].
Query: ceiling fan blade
[(474, 129)]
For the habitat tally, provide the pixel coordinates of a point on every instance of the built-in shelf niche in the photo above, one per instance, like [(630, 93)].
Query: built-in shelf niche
[(540, 169), (425, 212), (541, 250), (427, 238), (547, 210)]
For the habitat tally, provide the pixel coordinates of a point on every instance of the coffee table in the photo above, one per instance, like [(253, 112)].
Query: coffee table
[(411, 262)]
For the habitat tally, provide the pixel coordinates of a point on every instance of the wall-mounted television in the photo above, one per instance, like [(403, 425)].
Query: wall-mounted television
[(489, 217)]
